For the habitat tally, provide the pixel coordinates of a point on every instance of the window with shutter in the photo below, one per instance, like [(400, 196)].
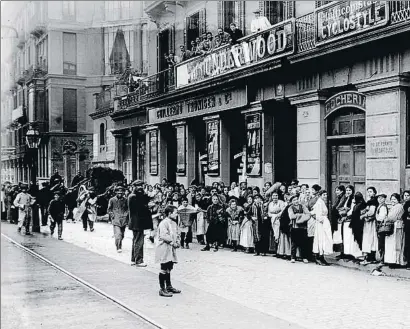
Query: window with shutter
[(274, 11), (229, 12), (70, 110), (192, 29)]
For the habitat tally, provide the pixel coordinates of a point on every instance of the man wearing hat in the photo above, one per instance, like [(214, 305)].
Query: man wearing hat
[(23, 202), (139, 220), (56, 210), (259, 23), (118, 211)]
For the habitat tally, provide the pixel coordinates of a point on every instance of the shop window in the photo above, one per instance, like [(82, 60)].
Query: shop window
[(127, 149), (102, 135), (70, 110), (70, 53)]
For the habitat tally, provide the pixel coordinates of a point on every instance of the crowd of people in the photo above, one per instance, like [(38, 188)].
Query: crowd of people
[(293, 222), (209, 41)]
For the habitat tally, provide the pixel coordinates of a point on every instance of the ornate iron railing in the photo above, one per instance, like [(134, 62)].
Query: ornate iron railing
[(305, 32), (399, 11)]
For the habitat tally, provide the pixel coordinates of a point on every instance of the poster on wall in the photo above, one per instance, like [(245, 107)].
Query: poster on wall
[(153, 154), (212, 132), (181, 150), (253, 145)]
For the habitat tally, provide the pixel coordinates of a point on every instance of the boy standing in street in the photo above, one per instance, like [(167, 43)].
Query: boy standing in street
[(56, 210), (118, 211), (166, 251), (23, 202)]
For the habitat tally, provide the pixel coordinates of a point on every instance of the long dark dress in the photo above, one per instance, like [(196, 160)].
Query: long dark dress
[(216, 232), (406, 220), (335, 216), (356, 224)]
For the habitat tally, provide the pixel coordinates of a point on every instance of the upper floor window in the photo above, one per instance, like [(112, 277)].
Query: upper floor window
[(70, 110), (116, 10), (274, 11), (144, 48), (42, 54), (231, 12), (119, 57), (95, 101), (321, 3), (102, 134), (68, 9), (70, 53)]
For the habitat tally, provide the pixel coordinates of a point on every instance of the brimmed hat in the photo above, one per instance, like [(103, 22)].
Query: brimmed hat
[(257, 11), (57, 193), (382, 195), (119, 189), (138, 182), (24, 185)]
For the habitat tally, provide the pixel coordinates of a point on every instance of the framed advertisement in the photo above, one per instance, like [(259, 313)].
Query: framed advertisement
[(181, 150), (253, 145), (212, 139), (153, 152)]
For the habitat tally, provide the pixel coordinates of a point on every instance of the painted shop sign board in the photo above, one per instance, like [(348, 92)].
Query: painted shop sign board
[(345, 18), (275, 42), (345, 99), (198, 106)]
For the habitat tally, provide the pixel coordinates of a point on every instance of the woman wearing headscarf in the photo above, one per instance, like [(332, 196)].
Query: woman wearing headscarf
[(356, 226), (262, 227), (235, 215), (394, 243), (201, 224), (406, 219), (322, 240), (247, 235), (345, 221), (370, 241), (275, 209), (215, 216)]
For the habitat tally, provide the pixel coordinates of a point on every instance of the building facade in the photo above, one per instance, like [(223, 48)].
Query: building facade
[(62, 56), (321, 96)]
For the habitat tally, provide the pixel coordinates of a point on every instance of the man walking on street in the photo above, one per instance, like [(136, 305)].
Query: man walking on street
[(139, 220), (56, 210), (118, 211), (23, 202)]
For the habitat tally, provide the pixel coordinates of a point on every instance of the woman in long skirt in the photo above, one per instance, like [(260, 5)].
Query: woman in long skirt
[(336, 222), (201, 223), (284, 243), (370, 240), (350, 247), (235, 215), (406, 219), (356, 226), (275, 208), (247, 227), (322, 241), (394, 243)]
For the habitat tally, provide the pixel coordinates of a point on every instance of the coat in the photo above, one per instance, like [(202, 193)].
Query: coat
[(56, 210), (139, 215), (168, 234), (118, 210)]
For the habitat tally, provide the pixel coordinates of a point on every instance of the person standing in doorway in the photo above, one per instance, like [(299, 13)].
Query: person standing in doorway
[(139, 220), (118, 211), (23, 202), (56, 210)]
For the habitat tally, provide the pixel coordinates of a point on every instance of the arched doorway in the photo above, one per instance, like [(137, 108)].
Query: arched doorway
[(346, 137)]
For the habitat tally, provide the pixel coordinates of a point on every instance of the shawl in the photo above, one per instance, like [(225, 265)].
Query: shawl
[(335, 216), (215, 214), (395, 213), (235, 214), (357, 224)]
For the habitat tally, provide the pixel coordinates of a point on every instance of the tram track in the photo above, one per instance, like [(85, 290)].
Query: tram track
[(117, 302)]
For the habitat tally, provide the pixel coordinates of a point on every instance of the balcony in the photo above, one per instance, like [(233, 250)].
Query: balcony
[(310, 35)]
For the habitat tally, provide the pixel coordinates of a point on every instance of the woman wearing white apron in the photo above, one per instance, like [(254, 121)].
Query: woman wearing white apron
[(370, 240), (275, 208), (201, 223), (322, 241)]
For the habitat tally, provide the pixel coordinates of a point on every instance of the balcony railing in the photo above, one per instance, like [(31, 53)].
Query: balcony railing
[(305, 35), (400, 11), (305, 32)]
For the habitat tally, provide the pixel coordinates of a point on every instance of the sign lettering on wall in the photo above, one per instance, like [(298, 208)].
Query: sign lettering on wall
[(383, 147), (343, 99), (277, 41), (345, 18), (198, 106)]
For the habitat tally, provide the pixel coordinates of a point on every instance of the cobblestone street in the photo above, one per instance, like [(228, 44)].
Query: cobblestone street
[(308, 295)]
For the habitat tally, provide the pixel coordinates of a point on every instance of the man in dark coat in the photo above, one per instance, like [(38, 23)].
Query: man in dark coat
[(235, 33), (56, 210), (43, 200), (139, 220), (77, 178), (55, 179)]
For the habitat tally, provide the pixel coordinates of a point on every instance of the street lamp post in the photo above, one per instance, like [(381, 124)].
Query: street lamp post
[(33, 140)]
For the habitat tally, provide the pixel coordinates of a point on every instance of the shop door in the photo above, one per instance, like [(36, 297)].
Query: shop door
[(348, 166)]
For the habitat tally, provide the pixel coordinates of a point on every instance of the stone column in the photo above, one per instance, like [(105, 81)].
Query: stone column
[(118, 149), (386, 134), (153, 179), (311, 138), (67, 168)]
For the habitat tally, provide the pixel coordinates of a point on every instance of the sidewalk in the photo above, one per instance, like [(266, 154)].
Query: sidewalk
[(136, 287), (323, 297)]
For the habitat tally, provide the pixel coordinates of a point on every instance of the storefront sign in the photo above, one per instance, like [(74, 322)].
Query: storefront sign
[(383, 148), (343, 99), (253, 145), (277, 41), (212, 132), (153, 152), (345, 18), (181, 150), (198, 106)]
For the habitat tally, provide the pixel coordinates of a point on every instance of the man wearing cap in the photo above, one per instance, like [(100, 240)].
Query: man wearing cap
[(259, 23), (118, 211), (23, 202), (139, 220), (44, 197), (56, 210)]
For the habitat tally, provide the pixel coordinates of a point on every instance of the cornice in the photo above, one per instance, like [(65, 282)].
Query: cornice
[(308, 97), (101, 114), (384, 83), (127, 114)]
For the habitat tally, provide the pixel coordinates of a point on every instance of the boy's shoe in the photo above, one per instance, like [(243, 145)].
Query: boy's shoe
[(164, 293), (92, 230), (119, 251), (141, 265), (173, 290), (51, 233), (60, 238), (187, 246), (28, 233), (85, 230), (305, 261), (206, 248), (292, 260), (133, 264)]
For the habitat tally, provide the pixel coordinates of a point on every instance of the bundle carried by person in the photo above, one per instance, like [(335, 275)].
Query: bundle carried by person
[(186, 215)]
